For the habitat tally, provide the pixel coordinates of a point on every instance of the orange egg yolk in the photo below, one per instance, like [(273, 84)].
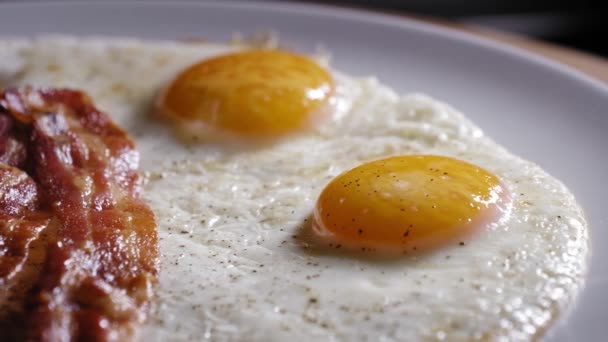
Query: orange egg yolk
[(250, 94), (408, 204)]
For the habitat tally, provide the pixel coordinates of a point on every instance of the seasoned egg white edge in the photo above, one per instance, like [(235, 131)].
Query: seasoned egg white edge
[(231, 273)]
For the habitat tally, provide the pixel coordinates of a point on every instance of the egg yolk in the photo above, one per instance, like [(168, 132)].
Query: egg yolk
[(408, 204), (251, 94)]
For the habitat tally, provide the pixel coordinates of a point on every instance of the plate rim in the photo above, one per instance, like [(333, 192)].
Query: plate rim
[(367, 15)]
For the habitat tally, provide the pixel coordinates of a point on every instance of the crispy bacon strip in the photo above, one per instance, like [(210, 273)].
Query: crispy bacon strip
[(21, 220), (20, 223), (103, 260), (12, 151)]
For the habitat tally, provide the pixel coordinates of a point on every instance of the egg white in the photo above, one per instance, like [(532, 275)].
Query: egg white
[(236, 261)]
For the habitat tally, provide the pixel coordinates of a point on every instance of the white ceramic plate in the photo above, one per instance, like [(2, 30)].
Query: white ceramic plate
[(540, 110)]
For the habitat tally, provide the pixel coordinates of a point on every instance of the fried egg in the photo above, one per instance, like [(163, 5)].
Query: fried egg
[(249, 252), (246, 95)]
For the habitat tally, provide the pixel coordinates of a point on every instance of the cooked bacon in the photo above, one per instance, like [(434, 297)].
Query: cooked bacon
[(21, 220), (12, 151), (102, 261), (20, 223)]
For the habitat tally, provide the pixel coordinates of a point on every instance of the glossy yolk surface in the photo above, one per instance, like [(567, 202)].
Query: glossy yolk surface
[(256, 93), (408, 204)]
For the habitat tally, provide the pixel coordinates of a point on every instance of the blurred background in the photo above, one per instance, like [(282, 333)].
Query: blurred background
[(580, 24)]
